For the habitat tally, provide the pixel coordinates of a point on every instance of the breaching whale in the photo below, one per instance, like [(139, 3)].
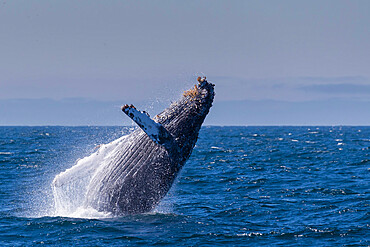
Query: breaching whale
[(142, 170)]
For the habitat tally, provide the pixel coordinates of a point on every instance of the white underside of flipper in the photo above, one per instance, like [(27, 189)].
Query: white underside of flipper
[(154, 130)]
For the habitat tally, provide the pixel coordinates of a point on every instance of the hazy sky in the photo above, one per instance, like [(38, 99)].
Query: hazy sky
[(134, 50)]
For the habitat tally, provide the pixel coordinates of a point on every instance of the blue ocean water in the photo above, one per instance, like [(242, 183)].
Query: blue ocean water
[(242, 186)]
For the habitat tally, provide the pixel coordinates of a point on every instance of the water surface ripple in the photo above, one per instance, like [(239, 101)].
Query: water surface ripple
[(242, 186)]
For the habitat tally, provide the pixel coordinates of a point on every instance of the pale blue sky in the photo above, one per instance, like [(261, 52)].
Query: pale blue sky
[(294, 51)]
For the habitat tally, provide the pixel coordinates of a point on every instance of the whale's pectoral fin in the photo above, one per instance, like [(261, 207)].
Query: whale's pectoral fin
[(154, 130)]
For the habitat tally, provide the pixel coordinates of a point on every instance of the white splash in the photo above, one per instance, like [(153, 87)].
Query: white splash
[(70, 187)]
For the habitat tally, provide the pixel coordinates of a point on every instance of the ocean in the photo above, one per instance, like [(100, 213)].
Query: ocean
[(242, 186)]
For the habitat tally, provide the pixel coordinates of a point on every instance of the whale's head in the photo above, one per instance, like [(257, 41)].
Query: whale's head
[(198, 100), (184, 118), (177, 127), (200, 97)]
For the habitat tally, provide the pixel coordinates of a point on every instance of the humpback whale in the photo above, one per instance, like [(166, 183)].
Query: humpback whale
[(142, 169)]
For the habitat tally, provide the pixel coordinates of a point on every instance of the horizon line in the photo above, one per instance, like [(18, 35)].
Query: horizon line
[(207, 125)]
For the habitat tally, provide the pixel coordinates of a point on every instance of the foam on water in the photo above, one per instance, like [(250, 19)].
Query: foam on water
[(70, 187)]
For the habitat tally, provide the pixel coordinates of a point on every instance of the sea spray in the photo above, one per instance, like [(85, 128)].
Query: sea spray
[(75, 188), (70, 187)]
